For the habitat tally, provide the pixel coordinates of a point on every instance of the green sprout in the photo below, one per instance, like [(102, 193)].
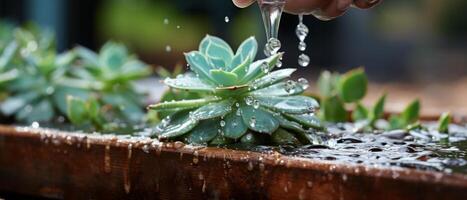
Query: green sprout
[(237, 100)]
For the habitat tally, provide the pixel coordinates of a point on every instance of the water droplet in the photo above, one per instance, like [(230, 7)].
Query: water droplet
[(255, 104), (226, 19), (166, 21), (35, 125), (222, 123), (279, 64), (303, 83), (265, 67), (237, 105), (301, 31), (253, 121), (272, 46), (168, 48), (303, 60), (301, 46), (290, 86), (250, 166), (249, 100), (178, 26)]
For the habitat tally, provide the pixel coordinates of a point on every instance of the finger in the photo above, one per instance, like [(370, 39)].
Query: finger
[(334, 9), (363, 4), (304, 6), (243, 3)]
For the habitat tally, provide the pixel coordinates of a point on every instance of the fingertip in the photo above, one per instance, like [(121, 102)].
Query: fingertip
[(243, 3), (364, 4)]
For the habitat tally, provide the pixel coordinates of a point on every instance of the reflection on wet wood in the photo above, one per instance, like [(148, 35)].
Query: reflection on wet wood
[(79, 166)]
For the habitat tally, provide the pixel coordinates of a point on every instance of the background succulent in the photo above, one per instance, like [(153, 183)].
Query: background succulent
[(36, 81), (237, 99)]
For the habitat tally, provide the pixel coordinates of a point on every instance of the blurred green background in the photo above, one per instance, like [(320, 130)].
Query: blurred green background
[(417, 41)]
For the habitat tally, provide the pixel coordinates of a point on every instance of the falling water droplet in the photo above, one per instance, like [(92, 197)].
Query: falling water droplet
[(303, 83), (303, 60), (302, 46), (166, 21), (168, 48), (178, 26), (301, 31), (226, 19)]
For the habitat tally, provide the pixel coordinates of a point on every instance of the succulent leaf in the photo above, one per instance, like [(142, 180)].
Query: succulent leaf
[(188, 82), (212, 110), (290, 104), (279, 89), (224, 78), (256, 70), (259, 120), (183, 104), (234, 127), (247, 49), (180, 124), (217, 51), (204, 132), (272, 78)]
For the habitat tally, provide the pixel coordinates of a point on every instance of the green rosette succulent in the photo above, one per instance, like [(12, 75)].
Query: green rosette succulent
[(238, 100)]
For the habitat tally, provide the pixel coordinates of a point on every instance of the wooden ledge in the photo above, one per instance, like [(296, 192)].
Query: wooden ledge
[(55, 164)]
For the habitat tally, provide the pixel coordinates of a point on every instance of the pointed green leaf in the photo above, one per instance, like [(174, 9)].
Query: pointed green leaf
[(255, 70), (204, 132), (212, 110), (76, 110), (333, 109), (183, 104), (272, 78), (279, 89), (352, 85), (359, 112), (411, 112), (234, 127), (308, 120), (199, 64), (187, 82), (60, 96), (231, 90), (378, 110), (443, 123), (258, 119), (290, 104)]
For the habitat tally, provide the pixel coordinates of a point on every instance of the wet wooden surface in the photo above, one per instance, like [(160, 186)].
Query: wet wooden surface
[(78, 166)]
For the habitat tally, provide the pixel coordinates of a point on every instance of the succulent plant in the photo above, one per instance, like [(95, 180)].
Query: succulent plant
[(112, 74), (237, 100), (36, 82)]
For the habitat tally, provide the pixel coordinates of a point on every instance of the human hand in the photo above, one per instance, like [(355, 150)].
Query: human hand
[(322, 9)]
